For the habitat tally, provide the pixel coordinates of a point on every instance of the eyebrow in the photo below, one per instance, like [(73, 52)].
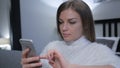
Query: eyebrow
[(69, 19), (72, 18)]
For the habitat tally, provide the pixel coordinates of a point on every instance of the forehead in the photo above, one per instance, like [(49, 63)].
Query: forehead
[(69, 13)]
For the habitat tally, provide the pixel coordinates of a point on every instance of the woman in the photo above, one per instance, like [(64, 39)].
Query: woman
[(78, 48)]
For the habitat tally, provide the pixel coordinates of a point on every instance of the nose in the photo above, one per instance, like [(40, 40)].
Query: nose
[(65, 27)]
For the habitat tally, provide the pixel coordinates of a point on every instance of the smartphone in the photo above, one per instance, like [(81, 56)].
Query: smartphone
[(28, 43)]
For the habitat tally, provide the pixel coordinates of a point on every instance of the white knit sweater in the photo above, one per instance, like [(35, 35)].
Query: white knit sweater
[(83, 52)]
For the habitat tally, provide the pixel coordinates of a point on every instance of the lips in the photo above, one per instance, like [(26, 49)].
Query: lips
[(66, 35)]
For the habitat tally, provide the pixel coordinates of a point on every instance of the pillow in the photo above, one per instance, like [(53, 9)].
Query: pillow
[(111, 42)]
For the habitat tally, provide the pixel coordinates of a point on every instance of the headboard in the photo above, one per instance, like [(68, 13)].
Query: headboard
[(110, 29), (109, 22)]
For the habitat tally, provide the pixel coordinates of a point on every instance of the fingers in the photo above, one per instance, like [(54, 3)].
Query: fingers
[(25, 53), (52, 63), (30, 60), (54, 58), (50, 55), (57, 54)]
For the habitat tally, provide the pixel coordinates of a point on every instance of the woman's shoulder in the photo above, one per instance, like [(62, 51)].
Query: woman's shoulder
[(98, 45), (103, 54), (100, 51), (101, 47)]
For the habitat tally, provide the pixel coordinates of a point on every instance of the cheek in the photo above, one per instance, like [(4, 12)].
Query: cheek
[(78, 31)]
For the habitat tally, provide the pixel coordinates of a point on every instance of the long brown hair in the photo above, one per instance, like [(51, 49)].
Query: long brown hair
[(85, 13)]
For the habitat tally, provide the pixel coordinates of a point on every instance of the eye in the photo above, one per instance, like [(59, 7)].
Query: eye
[(60, 22), (72, 22)]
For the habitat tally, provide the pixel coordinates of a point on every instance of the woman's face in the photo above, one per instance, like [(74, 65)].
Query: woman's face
[(70, 25)]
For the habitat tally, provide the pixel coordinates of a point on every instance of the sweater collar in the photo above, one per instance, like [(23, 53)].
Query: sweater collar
[(81, 41)]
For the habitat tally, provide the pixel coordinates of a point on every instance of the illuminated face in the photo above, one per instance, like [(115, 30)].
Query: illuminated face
[(70, 25)]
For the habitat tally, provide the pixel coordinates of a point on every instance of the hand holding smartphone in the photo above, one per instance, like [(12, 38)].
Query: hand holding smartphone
[(28, 43)]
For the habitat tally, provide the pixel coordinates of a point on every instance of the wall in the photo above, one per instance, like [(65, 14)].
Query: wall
[(38, 22), (4, 18), (106, 10)]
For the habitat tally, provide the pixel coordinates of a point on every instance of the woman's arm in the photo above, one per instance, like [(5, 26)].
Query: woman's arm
[(56, 60)]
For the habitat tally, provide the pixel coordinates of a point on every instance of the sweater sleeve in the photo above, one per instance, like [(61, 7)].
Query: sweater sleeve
[(106, 56)]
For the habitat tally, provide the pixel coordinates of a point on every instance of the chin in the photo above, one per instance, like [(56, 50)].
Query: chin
[(68, 39)]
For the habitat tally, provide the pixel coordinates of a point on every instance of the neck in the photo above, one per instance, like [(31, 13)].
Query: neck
[(70, 42)]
